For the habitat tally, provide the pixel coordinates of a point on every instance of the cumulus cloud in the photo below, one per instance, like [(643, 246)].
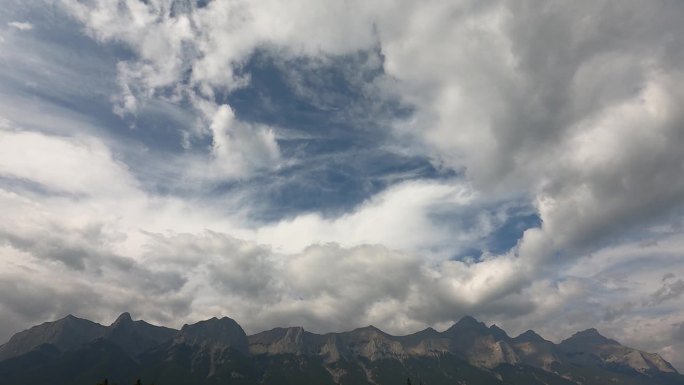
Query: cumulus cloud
[(240, 147), (327, 286), (401, 217), (68, 165)]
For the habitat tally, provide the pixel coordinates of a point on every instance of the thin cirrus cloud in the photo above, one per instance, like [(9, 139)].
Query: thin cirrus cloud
[(519, 161)]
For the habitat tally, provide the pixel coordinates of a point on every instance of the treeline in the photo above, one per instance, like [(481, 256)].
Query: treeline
[(106, 382), (138, 382)]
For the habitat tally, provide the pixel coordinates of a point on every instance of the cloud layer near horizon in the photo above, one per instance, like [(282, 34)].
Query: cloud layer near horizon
[(335, 165)]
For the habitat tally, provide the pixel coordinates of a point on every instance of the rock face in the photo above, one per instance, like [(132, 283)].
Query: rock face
[(217, 351), (589, 348), (282, 341), (214, 332), (469, 339), (479, 345), (484, 347), (135, 337), (535, 351)]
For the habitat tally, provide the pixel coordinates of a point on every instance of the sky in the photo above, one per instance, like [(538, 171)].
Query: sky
[(335, 164)]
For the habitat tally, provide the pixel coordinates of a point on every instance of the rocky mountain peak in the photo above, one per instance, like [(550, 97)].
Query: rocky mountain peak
[(427, 333), (589, 337), (529, 336), (468, 324), (223, 332), (136, 336), (64, 334), (367, 330), (123, 319), (498, 333)]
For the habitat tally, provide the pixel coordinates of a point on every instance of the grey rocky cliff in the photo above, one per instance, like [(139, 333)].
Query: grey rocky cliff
[(136, 337), (214, 332), (590, 348), (469, 339), (66, 333), (535, 351)]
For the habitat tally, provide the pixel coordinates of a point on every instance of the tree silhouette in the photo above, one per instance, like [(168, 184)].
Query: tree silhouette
[(106, 382)]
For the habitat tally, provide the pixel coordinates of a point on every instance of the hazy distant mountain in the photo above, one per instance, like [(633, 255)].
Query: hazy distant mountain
[(217, 351)]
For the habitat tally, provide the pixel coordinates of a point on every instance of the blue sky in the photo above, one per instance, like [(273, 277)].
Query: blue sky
[(339, 164)]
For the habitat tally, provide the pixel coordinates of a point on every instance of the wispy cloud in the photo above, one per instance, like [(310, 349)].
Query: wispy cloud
[(22, 26)]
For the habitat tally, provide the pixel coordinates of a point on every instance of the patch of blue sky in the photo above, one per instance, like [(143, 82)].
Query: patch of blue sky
[(336, 138), (334, 186), (331, 99), (507, 221), (507, 235)]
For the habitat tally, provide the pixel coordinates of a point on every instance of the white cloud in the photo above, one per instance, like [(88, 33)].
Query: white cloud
[(69, 165), (240, 147), (21, 26), (168, 46), (402, 217)]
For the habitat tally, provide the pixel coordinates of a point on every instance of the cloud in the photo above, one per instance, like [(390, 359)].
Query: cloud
[(669, 291), (555, 118), (105, 232), (329, 287), (21, 26), (401, 217), (70, 165), (240, 147), (132, 244), (208, 43), (527, 101)]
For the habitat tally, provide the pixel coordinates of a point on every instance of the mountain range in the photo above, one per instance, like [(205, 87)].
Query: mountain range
[(77, 351)]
